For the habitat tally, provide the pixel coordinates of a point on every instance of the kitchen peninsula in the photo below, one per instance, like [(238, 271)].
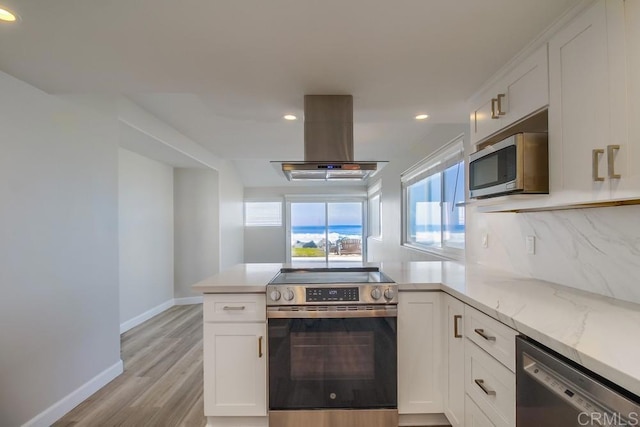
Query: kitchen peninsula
[(588, 329)]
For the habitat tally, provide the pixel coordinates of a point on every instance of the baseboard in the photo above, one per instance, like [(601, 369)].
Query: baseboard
[(132, 323), (188, 300), (73, 399)]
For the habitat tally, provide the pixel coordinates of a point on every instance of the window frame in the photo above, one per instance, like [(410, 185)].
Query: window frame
[(374, 191), (450, 154), (270, 200), (326, 199)]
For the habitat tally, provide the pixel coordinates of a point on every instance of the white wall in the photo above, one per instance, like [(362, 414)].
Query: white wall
[(145, 213), (58, 249), (389, 246), (196, 232), (231, 217), (596, 250)]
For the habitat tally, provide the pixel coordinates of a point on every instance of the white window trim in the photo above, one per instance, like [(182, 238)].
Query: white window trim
[(263, 200), (375, 191), (448, 155)]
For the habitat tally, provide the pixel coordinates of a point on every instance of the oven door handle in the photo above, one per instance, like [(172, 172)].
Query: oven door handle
[(306, 312)]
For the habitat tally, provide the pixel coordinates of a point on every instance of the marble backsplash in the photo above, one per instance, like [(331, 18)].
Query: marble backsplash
[(596, 250)]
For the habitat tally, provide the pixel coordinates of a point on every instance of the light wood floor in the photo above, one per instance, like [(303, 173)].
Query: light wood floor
[(162, 383), (162, 380)]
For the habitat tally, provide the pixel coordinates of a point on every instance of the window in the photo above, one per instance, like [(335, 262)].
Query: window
[(375, 206), (433, 202), (263, 214)]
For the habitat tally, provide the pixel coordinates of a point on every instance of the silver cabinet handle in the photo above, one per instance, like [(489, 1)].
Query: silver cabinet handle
[(483, 335), (499, 111), (456, 332), (231, 308), (611, 161), (259, 347), (494, 109), (484, 388), (595, 156)]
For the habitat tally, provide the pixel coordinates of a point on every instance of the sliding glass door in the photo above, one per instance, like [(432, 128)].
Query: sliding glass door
[(326, 231)]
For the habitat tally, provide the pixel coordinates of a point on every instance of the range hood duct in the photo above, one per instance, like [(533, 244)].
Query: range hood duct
[(328, 143)]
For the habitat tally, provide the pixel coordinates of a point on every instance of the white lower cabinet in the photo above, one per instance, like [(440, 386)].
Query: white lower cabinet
[(473, 416), (489, 371), (419, 355), (453, 358), (235, 360)]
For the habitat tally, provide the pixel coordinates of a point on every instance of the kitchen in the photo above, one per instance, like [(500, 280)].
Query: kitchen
[(69, 188)]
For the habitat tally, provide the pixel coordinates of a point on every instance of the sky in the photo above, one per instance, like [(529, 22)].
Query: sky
[(314, 214)]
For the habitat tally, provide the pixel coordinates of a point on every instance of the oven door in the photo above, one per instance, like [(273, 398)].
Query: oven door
[(317, 363)]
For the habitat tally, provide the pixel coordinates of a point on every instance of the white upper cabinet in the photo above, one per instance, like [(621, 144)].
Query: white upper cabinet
[(587, 108), (522, 91), (628, 161)]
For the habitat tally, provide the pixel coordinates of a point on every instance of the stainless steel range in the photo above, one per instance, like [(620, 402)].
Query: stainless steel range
[(332, 348)]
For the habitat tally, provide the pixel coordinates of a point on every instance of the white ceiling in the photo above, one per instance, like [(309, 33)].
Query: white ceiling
[(224, 72)]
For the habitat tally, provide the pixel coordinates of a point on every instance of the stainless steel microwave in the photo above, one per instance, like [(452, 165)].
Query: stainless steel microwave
[(516, 165)]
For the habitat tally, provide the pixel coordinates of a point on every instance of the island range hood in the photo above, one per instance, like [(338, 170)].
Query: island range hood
[(328, 143)]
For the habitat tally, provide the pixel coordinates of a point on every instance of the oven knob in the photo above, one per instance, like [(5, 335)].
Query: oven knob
[(288, 294), (375, 293), (275, 295), (389, 293)]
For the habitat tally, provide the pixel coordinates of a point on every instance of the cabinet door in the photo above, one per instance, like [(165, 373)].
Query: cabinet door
[(482, 122), (627, 159), (526, 88), (453, 391), (579, 108), (474, 417), (235, 369), (419, 353)]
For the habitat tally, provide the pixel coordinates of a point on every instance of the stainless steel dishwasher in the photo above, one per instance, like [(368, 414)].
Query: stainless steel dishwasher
[(555, 392)]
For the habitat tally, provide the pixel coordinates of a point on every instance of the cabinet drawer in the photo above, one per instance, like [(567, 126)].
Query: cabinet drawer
[(473, 416), (234, 308), (497, 339), (491, 385)]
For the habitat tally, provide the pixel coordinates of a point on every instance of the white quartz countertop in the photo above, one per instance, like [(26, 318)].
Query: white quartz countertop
[(596, 332)]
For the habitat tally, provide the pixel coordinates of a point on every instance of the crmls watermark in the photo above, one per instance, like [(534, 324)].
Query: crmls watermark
[(608, 420)]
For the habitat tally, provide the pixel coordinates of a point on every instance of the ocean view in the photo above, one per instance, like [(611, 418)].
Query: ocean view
[(315, 233)]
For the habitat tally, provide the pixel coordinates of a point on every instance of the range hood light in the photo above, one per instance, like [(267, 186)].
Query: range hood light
[(422, 116), (290, 117)]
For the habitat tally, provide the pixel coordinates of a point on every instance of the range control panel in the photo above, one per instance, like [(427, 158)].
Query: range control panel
[(333, 294)]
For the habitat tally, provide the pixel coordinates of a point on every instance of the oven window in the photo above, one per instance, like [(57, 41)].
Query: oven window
[(332, 363), (332, 355)]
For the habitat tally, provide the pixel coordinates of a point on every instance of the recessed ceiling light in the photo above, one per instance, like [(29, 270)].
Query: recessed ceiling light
[(422, 116), (290, 117), (7, 16)]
